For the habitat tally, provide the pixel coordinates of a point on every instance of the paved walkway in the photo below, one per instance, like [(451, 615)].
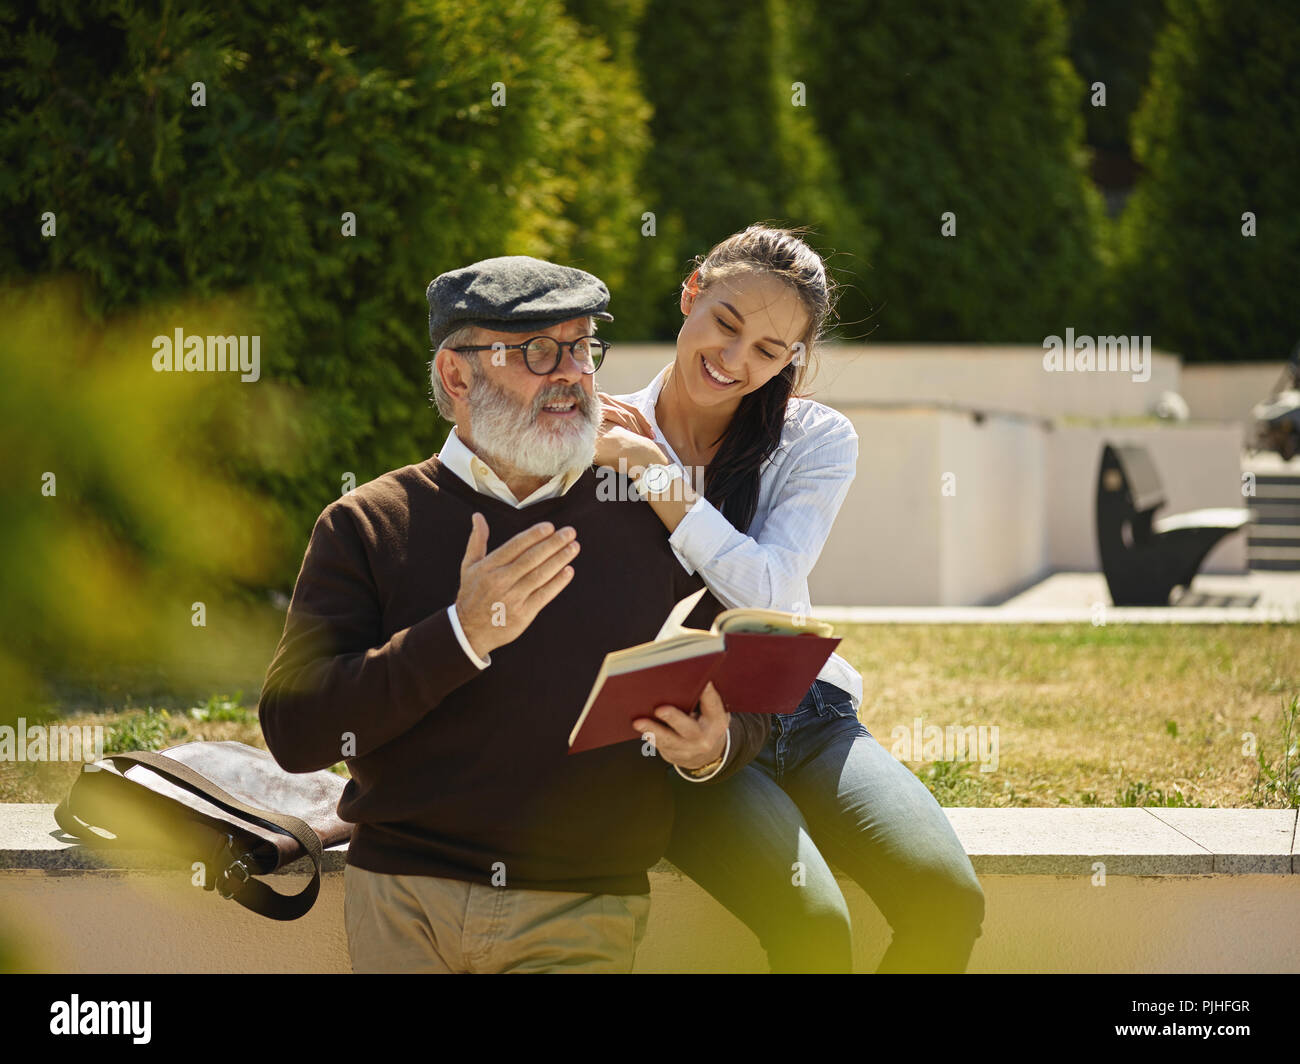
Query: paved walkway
[(1069, 598)]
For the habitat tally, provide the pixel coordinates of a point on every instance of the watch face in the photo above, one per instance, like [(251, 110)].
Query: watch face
[(656, 479)]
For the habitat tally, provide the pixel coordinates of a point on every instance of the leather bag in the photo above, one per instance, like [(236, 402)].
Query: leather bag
[(225, 804)]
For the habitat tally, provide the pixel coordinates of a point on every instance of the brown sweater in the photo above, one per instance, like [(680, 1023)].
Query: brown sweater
[(463, 773)]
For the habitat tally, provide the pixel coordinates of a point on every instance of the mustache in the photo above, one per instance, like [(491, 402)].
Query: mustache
[(585, 403)]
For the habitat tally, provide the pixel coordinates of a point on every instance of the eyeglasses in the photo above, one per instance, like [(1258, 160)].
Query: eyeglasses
[(542, 353)]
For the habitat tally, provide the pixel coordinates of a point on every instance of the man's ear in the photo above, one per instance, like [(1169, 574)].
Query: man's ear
[(690, 290), (454, 372)]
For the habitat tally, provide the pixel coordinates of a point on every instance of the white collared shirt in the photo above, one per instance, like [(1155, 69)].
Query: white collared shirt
[(802, 486), (460, 460), (476, 473)]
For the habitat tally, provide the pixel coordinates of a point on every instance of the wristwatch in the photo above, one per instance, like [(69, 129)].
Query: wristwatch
[(655, 479)]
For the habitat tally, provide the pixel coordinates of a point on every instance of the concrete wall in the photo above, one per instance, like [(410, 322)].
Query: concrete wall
[(135, 922), (900, 541), (1226, 391), (884, 548), (1025, 504), (1008, 378), (1066, 889), (994, 531), (1032, 923)]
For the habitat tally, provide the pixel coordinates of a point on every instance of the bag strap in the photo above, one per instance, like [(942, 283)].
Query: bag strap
[(236, 880)]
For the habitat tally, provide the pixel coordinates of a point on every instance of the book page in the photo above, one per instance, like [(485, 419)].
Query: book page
[(649, 655), (673, 625), (769, 622)]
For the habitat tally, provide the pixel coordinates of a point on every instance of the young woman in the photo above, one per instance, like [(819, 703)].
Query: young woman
[(764, 473)]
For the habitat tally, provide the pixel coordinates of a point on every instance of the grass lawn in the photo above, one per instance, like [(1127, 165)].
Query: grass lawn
[(1102, 716), (1113, 715)]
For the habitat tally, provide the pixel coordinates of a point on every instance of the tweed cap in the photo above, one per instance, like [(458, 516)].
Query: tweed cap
[(514, 294)]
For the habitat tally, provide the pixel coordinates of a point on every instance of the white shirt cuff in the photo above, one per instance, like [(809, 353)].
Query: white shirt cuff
[(726, 753), (701, 534), (460, 636)]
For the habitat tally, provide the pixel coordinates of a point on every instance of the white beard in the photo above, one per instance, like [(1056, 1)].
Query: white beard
[(514, 439)]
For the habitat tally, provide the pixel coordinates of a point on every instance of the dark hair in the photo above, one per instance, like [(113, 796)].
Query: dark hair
[(731, 480)]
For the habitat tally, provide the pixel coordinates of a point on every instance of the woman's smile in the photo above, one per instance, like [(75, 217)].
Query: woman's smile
[(714, 377)]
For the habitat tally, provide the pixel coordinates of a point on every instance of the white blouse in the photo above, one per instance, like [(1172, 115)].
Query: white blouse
[(802, 486)]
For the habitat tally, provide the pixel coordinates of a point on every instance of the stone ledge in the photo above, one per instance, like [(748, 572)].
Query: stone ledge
[(1128, 842)]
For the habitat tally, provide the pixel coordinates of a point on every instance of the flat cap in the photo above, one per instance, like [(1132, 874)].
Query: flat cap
[(515, 294)]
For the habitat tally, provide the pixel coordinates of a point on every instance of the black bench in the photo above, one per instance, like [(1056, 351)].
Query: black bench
[(1143, 558)]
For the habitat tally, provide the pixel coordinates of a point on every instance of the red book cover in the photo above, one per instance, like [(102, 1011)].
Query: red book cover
[(770, 673), (756, 673), (633, 695)]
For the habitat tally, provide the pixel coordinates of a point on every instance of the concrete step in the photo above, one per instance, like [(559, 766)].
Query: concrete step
[(1278, 531), (1276, 511)]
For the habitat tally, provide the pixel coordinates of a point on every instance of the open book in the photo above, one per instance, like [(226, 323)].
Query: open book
[(760, 661)]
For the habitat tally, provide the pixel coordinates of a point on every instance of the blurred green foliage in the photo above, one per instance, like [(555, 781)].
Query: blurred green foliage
[(229, 708), (735, 141), (1110, 42), (384, 110), (119, 516), (150, 729), (1218, 134)]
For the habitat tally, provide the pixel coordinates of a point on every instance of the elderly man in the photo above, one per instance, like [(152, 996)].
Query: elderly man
[(446, 627)]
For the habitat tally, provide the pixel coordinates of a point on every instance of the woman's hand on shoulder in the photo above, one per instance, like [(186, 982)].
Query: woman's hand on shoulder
[(625, 415), (626, 451), (625, 436)]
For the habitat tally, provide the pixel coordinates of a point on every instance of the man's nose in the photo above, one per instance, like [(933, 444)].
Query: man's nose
[(569, 370)]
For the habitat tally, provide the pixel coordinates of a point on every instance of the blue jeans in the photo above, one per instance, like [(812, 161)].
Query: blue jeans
[(824, 785)]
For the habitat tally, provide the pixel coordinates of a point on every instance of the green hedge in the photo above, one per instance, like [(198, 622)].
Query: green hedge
[(973, 108), (382, 109), (1218, 133), (1111, 42), (731, 145)]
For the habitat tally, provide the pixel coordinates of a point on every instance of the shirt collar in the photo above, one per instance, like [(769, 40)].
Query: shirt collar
[(475, 472)]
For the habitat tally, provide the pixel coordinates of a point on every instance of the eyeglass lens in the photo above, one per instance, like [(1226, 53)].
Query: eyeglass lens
[(543, 354)]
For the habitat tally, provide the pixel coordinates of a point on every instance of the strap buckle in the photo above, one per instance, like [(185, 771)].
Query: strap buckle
[(235, 874), (237, 870)]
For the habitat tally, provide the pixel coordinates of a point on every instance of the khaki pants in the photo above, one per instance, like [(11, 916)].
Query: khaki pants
[(428, 924)]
